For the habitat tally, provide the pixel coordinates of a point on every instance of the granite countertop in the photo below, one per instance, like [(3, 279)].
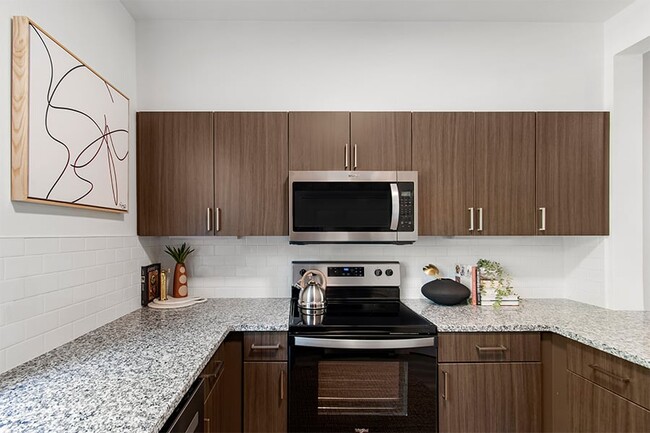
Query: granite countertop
[(129, 375), (625, 334)]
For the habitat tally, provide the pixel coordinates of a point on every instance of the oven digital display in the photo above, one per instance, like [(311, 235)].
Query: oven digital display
[(345, 271)]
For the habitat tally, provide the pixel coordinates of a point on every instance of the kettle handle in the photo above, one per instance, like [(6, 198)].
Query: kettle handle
[(310, 272)]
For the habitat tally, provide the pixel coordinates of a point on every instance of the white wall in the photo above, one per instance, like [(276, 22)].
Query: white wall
[(102, 34), (646, 178), (627, 38), (64, 272), (368, 66)]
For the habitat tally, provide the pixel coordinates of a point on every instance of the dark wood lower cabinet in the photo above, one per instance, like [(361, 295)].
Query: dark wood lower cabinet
[(490, 397), (594, 409), (265, 397)]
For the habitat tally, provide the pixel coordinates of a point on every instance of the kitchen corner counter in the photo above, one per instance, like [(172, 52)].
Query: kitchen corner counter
[(129, 375), (625, 334)]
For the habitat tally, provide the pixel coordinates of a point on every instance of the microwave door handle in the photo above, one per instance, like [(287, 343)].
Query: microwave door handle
[(394, 194)]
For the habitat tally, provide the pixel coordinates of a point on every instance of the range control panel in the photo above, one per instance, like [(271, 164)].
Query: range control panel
[(358, 274)]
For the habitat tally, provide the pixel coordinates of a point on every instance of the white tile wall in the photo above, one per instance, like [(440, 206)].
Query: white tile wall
[(55, 289), (260, 266)]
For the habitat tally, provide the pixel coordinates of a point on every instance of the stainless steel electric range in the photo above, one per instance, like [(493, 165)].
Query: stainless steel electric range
[(369, 364)]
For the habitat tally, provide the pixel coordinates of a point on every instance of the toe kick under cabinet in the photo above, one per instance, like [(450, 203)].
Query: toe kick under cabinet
[(490, 382)]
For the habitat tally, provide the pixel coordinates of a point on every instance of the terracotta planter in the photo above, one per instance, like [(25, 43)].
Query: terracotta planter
[(180, 281)]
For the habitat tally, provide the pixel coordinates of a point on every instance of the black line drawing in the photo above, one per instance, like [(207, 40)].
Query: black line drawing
[(83, 165)]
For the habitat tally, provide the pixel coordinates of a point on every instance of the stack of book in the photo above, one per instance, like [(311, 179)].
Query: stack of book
[(481, 292)]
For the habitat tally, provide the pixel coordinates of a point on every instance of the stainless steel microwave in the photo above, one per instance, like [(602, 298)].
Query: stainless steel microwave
[(353, 207)]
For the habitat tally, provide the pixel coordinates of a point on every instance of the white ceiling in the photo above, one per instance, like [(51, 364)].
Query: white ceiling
[(377, 10)]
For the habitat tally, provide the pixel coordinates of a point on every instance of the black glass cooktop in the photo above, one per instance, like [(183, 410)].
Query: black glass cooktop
[(349, 317)]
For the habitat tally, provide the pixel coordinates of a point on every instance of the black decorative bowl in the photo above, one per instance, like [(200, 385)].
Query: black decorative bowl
[(445, 291)]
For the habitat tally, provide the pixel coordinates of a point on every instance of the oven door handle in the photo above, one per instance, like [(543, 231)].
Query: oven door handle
[(342, 343)]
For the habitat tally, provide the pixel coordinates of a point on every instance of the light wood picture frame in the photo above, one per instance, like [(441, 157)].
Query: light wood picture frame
[(69, 127)]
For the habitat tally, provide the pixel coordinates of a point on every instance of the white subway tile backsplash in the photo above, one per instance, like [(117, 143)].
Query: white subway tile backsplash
[(58, 299), (24, 309), (11, 247), (105, 256), (12, 334), (98, 243), (12, 290), (57, 337), (35, 246), (71, 278), (96, 273), (57, 262), (41, 324), (24, 351), (83, 326), (25, 266), (71, 314)]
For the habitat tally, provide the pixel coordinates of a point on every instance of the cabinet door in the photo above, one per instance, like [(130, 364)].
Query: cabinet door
[(573, 173), (380, 140), (319, 140), (505, 173), (265, 397), (211, 415), (443, 156), (175, 172), (490, 397), (594, 409), (251, 174)]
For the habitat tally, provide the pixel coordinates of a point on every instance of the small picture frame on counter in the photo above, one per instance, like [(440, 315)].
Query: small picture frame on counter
[(149, 283)]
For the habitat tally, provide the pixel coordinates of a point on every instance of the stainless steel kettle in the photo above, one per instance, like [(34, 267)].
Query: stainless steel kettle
[(312, 294)]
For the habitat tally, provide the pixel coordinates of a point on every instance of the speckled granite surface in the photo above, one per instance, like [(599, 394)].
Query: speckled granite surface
[(625, 334), (129, 375)]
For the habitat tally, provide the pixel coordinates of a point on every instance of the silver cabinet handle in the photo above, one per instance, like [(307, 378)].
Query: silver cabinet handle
[(480, 220), (394, 218), (355, 157), (346, 156), (273, 347), (500, 348), (542, 227), (471, 219), (444, 387), (615, 376), (336, 343), (218, 225), (209, 218)]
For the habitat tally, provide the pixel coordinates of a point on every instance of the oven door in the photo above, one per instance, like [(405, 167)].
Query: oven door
[(334, 206), (361, 385)]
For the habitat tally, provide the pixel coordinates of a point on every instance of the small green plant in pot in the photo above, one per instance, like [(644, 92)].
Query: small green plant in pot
[(180, 272), (495, 281)]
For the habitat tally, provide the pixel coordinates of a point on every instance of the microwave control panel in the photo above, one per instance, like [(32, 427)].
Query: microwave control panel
[(406, 207)]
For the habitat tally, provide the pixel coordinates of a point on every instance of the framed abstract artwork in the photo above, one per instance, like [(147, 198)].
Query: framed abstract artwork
[(69, 127)]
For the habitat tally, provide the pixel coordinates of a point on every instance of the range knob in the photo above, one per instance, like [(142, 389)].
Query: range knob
[(389, 272), (378, 272), (302, 272)]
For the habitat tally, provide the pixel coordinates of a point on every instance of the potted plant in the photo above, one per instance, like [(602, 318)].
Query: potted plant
[(180, 271), (495, 281)]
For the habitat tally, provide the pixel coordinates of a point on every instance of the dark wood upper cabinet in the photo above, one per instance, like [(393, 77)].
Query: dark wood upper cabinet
[(443, 156), (175, 173), (350, 141), (572, 167), (380, 140), (319, 140), (251, 173), (505, 173)]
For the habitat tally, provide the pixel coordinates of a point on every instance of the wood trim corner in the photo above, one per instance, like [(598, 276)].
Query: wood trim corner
[(19, 107)]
